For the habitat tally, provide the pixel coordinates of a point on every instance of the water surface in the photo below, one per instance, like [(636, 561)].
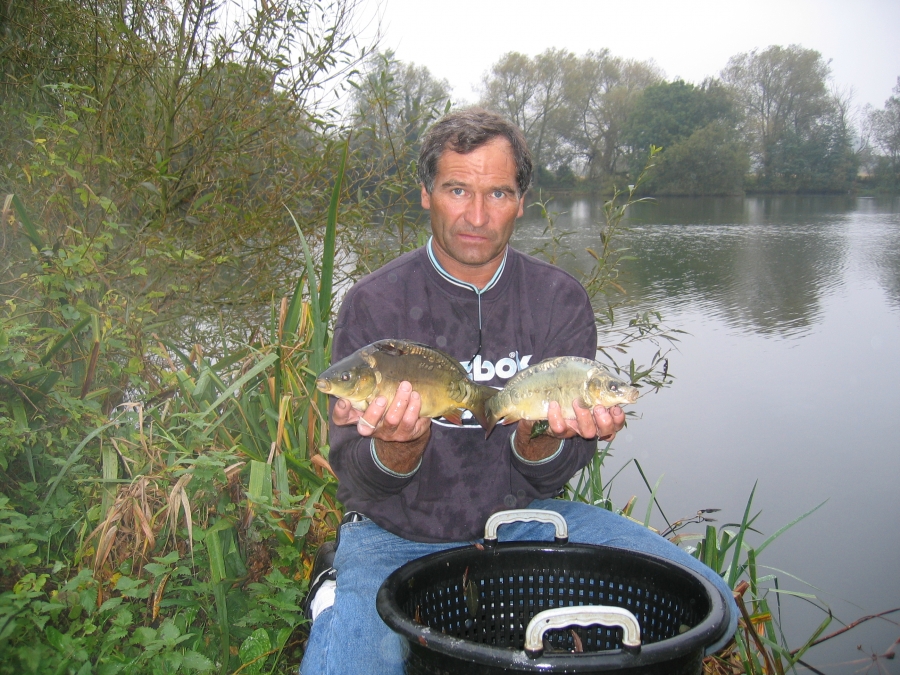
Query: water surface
[(787, 380)]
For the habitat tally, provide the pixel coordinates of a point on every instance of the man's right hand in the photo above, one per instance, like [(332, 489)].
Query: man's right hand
[(400, 434)]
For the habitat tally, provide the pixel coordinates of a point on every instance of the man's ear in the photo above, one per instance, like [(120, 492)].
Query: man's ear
[(426, 198)]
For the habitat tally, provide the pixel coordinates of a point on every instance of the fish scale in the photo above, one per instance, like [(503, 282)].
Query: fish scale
[(378, 369), (564, 379)]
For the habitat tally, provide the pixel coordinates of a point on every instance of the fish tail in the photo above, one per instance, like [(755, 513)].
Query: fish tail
[(480, 405)]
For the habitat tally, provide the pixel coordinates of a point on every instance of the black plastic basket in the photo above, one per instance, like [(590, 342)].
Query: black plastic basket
[(472, 609)]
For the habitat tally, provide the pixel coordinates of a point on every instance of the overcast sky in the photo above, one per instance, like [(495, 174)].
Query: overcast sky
[(458, 40)]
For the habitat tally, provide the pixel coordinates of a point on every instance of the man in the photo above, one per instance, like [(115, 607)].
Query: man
[(415, 485)]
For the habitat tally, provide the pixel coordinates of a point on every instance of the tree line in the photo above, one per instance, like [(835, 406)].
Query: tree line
[(771, 121)]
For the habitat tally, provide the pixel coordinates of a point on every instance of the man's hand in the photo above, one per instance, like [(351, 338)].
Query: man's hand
[(400, 434), (597, 422)]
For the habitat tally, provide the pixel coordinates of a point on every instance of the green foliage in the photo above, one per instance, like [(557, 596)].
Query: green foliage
[(172, 146), (760, 646), (770, 123), (172, 530), (696, 127), (708, 162), (667, 113)]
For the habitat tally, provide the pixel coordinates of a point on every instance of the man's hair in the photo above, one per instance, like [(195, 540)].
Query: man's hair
[(466, 130)]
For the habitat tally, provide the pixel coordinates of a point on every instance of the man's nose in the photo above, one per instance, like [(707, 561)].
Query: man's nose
[(477, 213)]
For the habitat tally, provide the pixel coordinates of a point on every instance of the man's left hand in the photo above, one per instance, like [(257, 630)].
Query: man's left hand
[(597, 422)]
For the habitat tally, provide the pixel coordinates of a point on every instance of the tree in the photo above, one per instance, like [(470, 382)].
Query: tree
[(885, 129), (393, 104), (532, 92), (668, 112), (602, 95), (708, 162), (163, 141), (788, 114), (696, 128)]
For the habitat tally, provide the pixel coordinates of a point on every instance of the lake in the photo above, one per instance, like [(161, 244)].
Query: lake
[(787, 380)]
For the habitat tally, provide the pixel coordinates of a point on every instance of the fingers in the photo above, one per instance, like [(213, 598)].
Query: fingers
[(344, 412), (584, 420), (559, 426), (596, 422), (402, 422), (368, 421), (404, 409), (608, 421), (397, 420)]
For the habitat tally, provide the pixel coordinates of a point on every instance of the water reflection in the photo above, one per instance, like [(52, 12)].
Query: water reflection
[(880, 258), (762, 265)]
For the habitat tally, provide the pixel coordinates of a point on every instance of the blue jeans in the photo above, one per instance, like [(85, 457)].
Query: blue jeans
[(350, 637)]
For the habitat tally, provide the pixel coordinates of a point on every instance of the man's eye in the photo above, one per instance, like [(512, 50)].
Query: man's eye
[(499, 194), (458, 191)]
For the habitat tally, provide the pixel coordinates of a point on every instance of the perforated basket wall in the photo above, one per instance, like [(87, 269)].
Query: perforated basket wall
[(476, 604)]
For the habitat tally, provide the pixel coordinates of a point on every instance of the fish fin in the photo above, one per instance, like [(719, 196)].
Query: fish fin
[(480, 408), (398, 347), (454, 416), (391, 347), (492, 422)]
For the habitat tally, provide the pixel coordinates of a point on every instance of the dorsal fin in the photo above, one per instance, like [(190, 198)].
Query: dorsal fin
[(390, 347), (398, 347)]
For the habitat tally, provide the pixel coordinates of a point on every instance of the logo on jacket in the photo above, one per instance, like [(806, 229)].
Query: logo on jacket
[(482, 370)]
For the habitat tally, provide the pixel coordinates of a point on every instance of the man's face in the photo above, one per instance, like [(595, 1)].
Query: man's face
[(474, 206)]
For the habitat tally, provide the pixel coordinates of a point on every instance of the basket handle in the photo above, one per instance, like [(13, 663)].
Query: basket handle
[(519, 515), (560, 617)]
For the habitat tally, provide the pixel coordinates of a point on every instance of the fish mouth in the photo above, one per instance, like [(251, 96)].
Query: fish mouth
[(323, 385), (633, 396)]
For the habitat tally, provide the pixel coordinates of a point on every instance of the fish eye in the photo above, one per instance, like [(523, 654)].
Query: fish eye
[(613, 386), (345, 376)]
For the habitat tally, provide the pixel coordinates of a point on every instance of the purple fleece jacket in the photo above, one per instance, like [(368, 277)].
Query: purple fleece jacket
[(529, 312)]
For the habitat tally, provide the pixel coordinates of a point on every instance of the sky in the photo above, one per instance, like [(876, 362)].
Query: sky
[(459, 40)]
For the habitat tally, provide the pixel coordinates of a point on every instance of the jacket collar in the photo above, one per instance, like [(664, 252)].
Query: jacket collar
[(464, 284)]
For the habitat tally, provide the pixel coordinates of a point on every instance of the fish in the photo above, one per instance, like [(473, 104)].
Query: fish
[(378, 369), (563, 379)]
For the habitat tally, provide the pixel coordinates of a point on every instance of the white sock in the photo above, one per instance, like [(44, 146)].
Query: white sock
[(323, 599)]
